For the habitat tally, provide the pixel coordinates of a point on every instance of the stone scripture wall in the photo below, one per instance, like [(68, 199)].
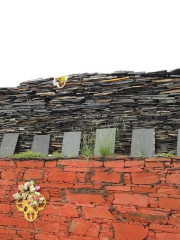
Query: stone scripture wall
[(125, 100), (120, 198)]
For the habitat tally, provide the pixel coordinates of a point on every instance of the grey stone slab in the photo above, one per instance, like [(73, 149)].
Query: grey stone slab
[(71, 144), (105, 139), (143, 142), (178, 144), (8, 144), (41, 144)]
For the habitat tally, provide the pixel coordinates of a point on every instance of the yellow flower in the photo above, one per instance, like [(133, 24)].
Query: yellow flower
[(61, 79)]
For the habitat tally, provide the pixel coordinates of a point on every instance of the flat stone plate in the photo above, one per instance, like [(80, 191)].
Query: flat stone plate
[(41, 144), (8, 144), (143, 142), (105, 139), (178, 144), (71, 144)]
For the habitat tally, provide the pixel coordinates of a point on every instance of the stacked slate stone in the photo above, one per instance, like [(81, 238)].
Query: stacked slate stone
[(125, 100)]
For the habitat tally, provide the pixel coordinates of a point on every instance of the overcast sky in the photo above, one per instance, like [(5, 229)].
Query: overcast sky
[(50, 38)]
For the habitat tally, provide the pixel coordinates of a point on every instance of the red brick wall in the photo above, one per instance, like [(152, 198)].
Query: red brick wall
[(125, 199)]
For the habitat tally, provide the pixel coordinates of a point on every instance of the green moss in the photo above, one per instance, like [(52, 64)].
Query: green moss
[(57, 154), (167, 155), (27, 155)]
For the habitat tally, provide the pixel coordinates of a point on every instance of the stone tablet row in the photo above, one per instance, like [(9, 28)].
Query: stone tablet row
[(142, 144), (105, 138)]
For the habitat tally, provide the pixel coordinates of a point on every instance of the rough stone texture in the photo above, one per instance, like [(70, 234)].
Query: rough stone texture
[(123, 100), (124, 231), (178, 143), (8, 144), (41, 144), (71, 144), (91, 200), (143, 142), (105, 138)]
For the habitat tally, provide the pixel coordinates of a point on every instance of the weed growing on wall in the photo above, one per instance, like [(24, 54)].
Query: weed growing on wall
[(105, 150), (86, 150)]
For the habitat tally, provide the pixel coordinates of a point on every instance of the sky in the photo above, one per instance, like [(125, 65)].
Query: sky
[(51, 38)]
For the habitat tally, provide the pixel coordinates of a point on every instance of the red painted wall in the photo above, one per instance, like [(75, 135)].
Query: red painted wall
[(122, 199)]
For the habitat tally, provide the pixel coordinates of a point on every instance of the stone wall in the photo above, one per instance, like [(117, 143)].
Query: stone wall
[(120, 198), (125, 100)]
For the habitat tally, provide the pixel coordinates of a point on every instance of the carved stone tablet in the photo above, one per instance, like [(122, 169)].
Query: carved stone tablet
[(178, 144), (8, 144), (71, 144), (105, 141), (143, 142), (41, 144)]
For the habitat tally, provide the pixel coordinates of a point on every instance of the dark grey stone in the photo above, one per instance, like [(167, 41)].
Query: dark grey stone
[(71, 144), (178, 144), (8, 144), (105, 138), (41, 144), (143, 142)]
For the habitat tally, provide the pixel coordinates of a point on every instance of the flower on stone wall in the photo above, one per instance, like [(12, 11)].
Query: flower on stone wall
[(60, 81), (29, 192), (29, 200)]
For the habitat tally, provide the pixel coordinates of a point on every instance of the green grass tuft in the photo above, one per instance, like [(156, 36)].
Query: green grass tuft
[(86, 150), (105, 150)]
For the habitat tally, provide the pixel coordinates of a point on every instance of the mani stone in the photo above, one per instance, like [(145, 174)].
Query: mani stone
[(8, 144), (105, 140), (178, 144), (143, 142), (41, 144), (71, 144)]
